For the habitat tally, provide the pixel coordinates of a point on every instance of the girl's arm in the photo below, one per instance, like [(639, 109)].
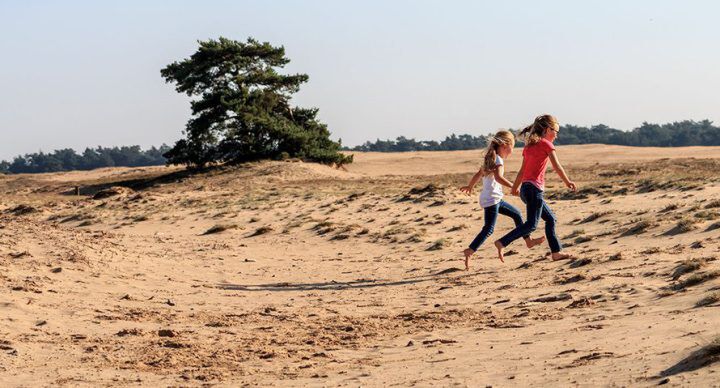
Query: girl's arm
[(499, 172), (518, 180), (560, 171), (468, 189)]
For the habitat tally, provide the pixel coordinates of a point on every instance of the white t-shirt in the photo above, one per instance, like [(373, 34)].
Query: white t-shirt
[(491, 193)]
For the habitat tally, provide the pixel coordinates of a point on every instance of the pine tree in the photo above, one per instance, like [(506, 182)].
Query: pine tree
[(242, 111)]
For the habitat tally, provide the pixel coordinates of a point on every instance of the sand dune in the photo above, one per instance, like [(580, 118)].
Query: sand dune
[(295, 274)]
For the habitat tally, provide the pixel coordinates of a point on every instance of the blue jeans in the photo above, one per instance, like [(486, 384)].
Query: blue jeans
[(536, 209), (491, 213)]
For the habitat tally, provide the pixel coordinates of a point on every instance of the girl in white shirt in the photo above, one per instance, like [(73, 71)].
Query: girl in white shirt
[(500, 147)]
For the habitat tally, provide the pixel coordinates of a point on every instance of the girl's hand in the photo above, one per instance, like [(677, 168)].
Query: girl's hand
[(466, 189), (571, 185), (515, 191)]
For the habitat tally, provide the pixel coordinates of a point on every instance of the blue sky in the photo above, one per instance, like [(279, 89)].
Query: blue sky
[(82, 73)]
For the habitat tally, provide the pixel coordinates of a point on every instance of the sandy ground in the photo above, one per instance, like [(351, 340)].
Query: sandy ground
[(294, 274)]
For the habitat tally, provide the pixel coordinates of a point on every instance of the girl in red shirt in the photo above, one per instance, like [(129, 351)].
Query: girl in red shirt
[(538, 150)]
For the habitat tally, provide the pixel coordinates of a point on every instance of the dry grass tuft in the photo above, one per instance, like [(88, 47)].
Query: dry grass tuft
[(261, 230), (695, 280), (575, 233), (21, 210), (640, 227), (457, 227), (219, 228), (670, 207), (713, 204), (709, 300), (683, 226), (323, 227), (113, 191), (651, 251), (141, 218), (583, 239), (707, 215), (438, 244), (292, 225), (687, 266), (593, 217), (396, 230)]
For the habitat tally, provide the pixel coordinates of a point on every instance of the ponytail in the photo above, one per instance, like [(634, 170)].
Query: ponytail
[(494, 143), (535, 131), (489, 160)]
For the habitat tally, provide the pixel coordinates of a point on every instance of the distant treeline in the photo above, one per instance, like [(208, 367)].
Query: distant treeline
[(67, 159), (677, 134), (403, 144)]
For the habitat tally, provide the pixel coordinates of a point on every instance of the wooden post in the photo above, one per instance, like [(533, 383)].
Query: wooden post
[(77, 190)]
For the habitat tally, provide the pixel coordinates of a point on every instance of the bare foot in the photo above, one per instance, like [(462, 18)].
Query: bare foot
[(500, 247), (467, 252), (533, 242), (560, 256)]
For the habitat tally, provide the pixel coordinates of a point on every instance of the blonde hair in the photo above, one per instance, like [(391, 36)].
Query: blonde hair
[(494, 143), (535, 131)]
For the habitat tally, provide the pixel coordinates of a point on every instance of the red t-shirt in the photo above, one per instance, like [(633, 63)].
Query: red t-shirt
[(536, 157)]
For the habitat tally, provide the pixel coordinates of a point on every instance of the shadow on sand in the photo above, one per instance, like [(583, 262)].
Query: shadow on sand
[(705, 356), (335, 285), (142, 183)]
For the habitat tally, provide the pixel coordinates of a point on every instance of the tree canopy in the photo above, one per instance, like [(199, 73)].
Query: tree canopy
[(241, 109)]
